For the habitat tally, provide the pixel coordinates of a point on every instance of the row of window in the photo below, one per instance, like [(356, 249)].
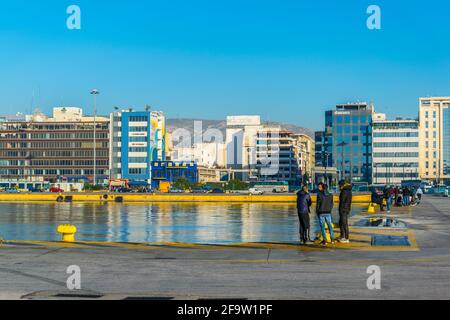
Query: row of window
[(396, 155), (48, 145), (396, 144), (414, 134), (138, 129), (51, 172)]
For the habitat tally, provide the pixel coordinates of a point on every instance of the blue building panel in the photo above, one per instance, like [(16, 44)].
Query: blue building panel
[(171, 171), (128, 117)]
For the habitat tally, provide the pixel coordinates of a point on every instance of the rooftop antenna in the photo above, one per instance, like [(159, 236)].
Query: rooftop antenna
[(32, 102)]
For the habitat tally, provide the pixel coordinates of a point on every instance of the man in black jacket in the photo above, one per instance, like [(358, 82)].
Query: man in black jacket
[(303, 209), (345, 207)]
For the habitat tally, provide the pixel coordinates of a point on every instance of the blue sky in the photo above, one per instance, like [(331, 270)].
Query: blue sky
[(286, 60)]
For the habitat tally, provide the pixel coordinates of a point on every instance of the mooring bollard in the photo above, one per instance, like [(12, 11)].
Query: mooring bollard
[(67, 232), (372, 208)]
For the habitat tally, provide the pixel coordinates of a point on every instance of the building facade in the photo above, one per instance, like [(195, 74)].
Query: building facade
[(395, 151), (241, 135), (54, 149), (346, 142), (134, 139), (171, 171), (206, 154), (276, 157), (305, 150), (434, 139)]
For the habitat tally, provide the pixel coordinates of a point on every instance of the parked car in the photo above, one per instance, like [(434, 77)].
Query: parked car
[(124, 190), (279, 190), (255, 191), (34, 190), (217, 190), (198, 190), (12, 190), (174, 190), (56, 190)]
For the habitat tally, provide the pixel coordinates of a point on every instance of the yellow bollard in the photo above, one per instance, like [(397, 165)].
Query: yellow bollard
[(319, 235), (372, 208), (67, 232)]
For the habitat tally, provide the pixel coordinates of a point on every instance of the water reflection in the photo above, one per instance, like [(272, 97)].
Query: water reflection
[(158, 222)]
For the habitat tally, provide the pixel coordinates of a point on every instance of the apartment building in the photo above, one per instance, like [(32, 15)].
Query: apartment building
[(434, 139), (276, 156)]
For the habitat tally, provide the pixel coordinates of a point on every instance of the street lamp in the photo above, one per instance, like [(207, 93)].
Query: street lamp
[(94, 93), (326, 154), (342, 145)]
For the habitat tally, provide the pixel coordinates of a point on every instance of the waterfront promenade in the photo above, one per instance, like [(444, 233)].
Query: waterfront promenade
[(421, 270)]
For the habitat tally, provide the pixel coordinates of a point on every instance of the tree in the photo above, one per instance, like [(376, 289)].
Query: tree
[(237, 185), (182, 184)]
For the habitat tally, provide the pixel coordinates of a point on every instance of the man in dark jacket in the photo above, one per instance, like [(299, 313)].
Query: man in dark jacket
[(345, 207), (303, 209), (324, 208)]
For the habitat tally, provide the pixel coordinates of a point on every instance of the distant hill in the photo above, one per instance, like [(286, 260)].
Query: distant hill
[(188, 124)]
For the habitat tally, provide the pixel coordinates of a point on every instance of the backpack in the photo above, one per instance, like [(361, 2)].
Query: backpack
[(327, 203)]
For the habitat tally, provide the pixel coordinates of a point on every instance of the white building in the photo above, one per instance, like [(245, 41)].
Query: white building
[(206, 154), (240, 141), (277, 156), (395, 146), (136, 139)]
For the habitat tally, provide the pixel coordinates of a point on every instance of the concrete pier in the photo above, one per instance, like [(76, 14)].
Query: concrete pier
[(159, 197), (420, 270)]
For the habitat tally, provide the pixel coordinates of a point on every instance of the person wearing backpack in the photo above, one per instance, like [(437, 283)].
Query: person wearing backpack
[(324, 207)]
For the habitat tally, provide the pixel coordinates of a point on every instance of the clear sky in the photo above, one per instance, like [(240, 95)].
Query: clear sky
[(286, 60)]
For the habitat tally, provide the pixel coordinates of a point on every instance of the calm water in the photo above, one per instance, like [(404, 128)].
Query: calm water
[(161, 222)]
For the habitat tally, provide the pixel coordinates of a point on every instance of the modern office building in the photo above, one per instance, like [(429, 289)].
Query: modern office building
[(346, 142), (395, 151), (434, 139), (240, 141), (54, 149), (134, 139), (276, 157)]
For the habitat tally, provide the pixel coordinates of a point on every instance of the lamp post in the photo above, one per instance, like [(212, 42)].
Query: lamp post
[(326, 154), (94, 93), (342, 145)]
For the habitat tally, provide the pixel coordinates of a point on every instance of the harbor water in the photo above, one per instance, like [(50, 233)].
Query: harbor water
[(200, 223)]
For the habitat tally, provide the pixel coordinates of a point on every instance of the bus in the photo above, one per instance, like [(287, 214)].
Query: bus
[(271, 186)]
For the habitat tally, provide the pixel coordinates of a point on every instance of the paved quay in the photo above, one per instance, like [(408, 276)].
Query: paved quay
[(421, 270)]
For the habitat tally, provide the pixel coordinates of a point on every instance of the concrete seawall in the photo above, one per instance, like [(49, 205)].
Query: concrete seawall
[(138, 197)]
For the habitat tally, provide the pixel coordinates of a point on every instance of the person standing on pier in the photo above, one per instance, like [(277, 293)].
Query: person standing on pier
[(303, 209), (324, 207), (345, 207)]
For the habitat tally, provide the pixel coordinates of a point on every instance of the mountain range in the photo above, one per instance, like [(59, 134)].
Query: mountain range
[(188, 124)]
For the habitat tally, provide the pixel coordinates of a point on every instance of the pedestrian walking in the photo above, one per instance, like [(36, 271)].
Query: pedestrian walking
[(324, 208), (419, 193), (303, 210), (387, 197)]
